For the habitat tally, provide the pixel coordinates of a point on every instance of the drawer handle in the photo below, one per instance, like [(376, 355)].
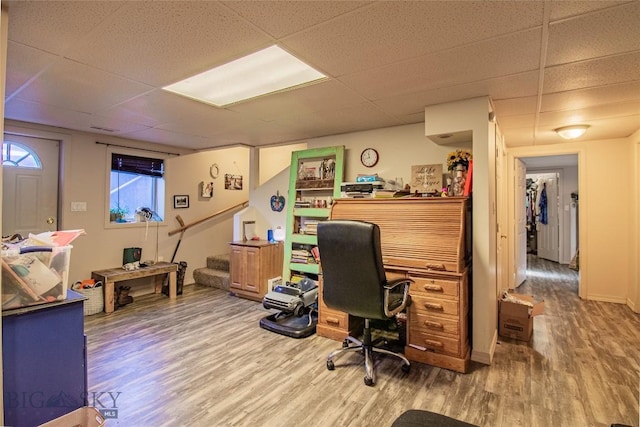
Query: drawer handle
[(434, 288), (433, 306), (439, 267), (333, 320), (432, 343), (433, 325)]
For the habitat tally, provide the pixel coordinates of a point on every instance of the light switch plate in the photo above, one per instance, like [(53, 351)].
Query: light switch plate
[(78, 206)]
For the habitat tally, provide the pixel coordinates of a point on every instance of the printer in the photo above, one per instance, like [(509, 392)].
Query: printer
[(360, 189)]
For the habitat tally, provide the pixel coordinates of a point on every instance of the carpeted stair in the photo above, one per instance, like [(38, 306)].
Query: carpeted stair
[(215, 274)]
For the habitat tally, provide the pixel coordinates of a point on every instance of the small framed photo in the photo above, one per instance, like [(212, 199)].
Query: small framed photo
[(180, 201)]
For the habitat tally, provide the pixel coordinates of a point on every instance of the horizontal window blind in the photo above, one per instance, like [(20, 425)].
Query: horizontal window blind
[(138, 165)]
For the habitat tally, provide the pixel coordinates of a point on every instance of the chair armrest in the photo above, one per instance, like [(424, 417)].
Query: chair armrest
[(390, 286)]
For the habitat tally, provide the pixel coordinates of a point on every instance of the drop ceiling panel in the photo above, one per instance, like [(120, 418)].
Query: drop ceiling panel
[(491, 59), (591, 97), (330, 94), (281, 18), (515, 107), (587, 115), (598, 72), (157, 107), (389, 32), (23, 64), (525, 121), (163, 136), (518, 137), (17, 109), (75, 86), (161, 42), (517, 85), (55, 26), (568, 9), (575, 39)]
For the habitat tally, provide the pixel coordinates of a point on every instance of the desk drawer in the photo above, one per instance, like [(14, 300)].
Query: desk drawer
[(437, 306), (428, 323), (333, 318), (424, 286), (435, 343)]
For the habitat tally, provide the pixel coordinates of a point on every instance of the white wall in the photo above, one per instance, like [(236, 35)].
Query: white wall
[(634, 252)]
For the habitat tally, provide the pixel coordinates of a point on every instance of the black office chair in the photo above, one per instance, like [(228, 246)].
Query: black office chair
[(354, 281)]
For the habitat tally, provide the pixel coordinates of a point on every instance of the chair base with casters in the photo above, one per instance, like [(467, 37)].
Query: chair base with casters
[(367, 347)]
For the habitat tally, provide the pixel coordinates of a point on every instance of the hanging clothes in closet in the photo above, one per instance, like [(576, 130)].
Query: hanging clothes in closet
[(544, 218)]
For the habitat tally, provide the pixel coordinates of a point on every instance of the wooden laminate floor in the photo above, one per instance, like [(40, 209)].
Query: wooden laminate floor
[(203, 360)]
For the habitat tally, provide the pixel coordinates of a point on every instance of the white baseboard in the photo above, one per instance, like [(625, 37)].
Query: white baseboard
[(486, 357)]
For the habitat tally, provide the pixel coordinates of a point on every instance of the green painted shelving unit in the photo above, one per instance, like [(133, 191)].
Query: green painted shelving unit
[(314, 182)]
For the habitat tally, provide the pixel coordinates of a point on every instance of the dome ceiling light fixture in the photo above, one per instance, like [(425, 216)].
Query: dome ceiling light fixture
[(572, 132)]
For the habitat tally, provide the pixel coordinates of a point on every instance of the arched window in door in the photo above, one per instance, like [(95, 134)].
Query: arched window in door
[(18, 155)]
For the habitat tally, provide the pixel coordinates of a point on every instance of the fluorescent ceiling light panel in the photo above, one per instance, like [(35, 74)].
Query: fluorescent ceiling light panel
[(266, 71)]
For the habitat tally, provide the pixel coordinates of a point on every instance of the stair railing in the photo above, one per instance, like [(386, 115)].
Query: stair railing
[(185, 227)]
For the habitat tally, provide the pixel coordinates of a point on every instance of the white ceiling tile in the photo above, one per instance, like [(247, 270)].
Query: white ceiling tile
[(329, 94), (515, 106), (23, 64), (161, 42), (55, 26), (507, 55), (74, 86), (281, 18), (17, 109), (525, 121), (607, 32), (568, 9), (163, 136), (582, 98), (586, 115), (514, 86), (390, 32), (597, 72)]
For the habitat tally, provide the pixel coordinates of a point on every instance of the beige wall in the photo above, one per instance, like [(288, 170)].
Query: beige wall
[(634, 251), (608, 206), (84, 171)]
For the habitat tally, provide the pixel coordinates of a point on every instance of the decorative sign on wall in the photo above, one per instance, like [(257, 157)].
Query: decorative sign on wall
[(426, 178), (232, 182)]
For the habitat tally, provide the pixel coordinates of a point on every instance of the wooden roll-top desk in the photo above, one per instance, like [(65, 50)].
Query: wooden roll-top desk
[(427, 240)]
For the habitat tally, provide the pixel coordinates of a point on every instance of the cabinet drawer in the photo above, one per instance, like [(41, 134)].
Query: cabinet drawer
[(427, 323), (440, 307), (437, 344), (435, 287), (335, 319)]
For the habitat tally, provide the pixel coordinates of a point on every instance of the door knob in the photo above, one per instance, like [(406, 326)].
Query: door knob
[(50, 220)]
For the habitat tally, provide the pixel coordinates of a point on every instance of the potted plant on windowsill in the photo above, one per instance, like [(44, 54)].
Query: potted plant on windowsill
[(118, 214)]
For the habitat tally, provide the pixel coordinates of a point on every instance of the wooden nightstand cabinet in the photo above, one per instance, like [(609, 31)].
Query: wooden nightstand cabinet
[(251, 265)]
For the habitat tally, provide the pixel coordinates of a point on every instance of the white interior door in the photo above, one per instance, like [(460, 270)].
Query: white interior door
[(548, 234), (520, 177), (29, 185)]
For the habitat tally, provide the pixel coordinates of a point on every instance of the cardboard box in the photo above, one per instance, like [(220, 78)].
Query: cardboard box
[(516, 319), (82, 417), (34, 275)]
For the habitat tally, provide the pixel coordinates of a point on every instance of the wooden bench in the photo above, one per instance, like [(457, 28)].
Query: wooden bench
[(111, 276)]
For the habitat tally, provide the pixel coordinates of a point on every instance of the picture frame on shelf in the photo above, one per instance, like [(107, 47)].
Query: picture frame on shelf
[(180, 201)]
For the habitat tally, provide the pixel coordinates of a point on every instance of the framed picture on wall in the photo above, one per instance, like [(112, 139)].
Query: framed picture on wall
[(180, 201)]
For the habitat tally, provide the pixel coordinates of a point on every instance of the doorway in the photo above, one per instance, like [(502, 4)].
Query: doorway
[(29, 184), (550, 208)]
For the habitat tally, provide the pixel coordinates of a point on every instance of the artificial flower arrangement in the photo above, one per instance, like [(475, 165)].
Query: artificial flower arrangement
[(458, 157)]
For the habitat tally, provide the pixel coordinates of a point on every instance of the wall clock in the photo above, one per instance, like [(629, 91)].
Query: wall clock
[(369, 157)]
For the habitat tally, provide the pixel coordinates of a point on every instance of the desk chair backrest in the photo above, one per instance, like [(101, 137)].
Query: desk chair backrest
[(352, 270)]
